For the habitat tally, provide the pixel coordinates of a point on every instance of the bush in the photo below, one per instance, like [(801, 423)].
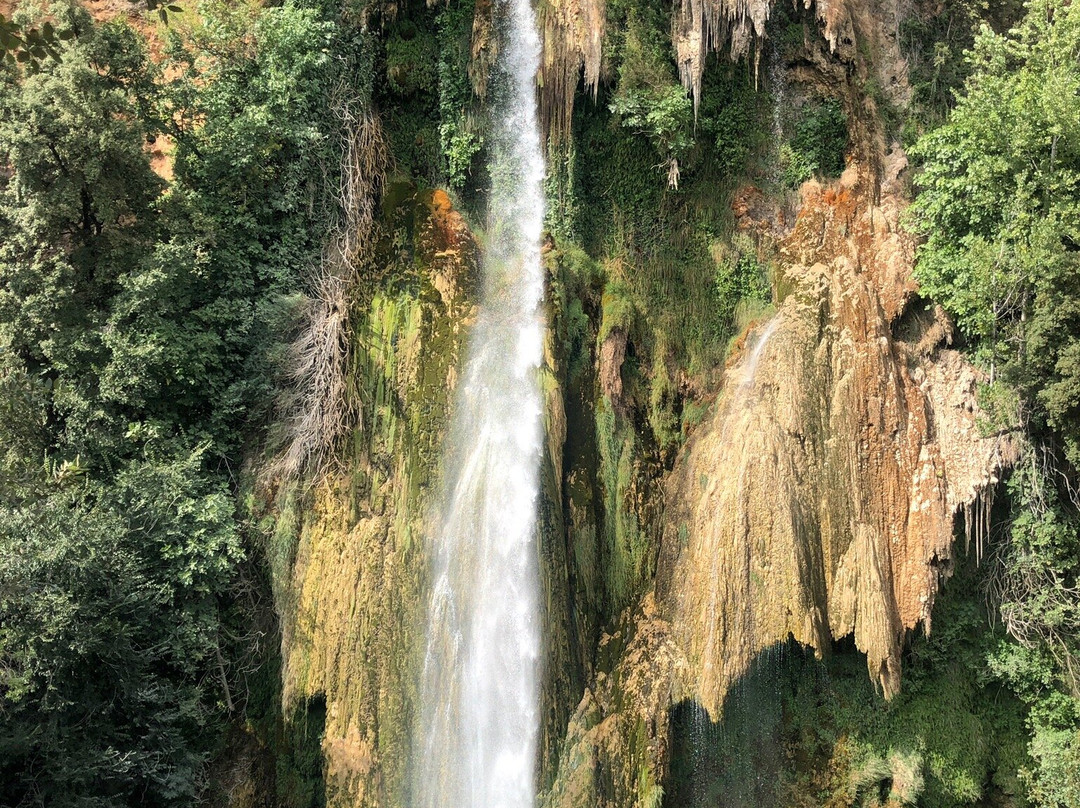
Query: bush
[(818, 145)]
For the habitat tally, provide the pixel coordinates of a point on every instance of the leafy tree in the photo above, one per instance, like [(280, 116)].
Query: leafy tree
[(138, 322), (76, 216), (999, 204), (108, 603)]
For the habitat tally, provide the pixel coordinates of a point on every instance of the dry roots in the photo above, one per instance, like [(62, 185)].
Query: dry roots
[(316, 408)]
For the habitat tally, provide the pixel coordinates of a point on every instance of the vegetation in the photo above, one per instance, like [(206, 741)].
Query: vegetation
[(182, 222), (648, 98), (935, 43), (137, 319), (999, 203), (817, 147)]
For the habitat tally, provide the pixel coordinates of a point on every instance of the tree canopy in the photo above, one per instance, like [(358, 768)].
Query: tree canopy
[(999, 204), (140, 313)]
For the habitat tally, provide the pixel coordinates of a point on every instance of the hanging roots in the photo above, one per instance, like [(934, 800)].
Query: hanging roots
[(1034, 597), (316, 408)]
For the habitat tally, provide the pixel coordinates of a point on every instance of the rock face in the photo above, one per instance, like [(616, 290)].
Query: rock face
[(701, 27), (819, 499), (618, 742), (352, 565), (574, 31), (573, 35), (816, 501), (350, 556)]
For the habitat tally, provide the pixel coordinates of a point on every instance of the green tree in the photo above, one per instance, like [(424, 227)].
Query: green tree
[(138, 322), (999, 204), (109, 615)]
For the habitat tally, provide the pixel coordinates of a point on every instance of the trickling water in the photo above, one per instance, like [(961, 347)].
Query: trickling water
[(477, 730), (755, 355), (778, 88)]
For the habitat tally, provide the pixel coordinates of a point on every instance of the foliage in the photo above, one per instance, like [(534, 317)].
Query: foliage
[(19, 45), (462, 141), (108, 602), (817, 147), (740, 276), (730, 116), (140, 318), (30, 44), (648, 97), (935, 40), (410, 67), (407, 92), (1038, 588), (999, 204)]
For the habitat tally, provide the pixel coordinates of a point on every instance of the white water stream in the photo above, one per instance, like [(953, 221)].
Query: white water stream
[(476, 738)]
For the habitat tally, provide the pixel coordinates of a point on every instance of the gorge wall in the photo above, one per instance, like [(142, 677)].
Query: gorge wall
[(699, 506)]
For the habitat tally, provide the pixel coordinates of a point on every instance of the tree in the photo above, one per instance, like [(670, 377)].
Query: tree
[(999, 204), (138, 321), (109, 615)]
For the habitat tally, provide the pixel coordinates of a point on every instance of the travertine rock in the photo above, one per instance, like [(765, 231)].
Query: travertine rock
[(617, 745), (351, 592), (700, 27), (819, 500), (573, 33)]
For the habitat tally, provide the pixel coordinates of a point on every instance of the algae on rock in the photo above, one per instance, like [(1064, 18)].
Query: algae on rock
[(354, 592)]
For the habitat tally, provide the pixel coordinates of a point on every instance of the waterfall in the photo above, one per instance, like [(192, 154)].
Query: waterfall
[(750, 370), (476, 738)]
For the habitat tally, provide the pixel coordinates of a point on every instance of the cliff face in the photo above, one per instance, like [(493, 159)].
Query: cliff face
[(350, 551), (818, 501), (815, 500)]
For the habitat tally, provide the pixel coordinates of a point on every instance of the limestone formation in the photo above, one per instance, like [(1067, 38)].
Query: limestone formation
[(573, 33), (351, 597), (819, 501)]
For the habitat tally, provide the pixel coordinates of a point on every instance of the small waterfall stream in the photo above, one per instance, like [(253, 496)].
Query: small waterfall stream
[(476, 738), (750, 369)]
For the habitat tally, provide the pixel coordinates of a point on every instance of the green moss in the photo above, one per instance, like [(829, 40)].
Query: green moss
[(619, 312), (410, 59), (629, 557), (283, 532)]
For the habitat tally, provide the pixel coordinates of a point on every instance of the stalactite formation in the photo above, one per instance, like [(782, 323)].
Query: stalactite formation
[(573, 35)]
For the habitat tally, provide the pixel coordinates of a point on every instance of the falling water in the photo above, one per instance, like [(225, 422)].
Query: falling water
[(478, 720), (778, 88), (750, 370)]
